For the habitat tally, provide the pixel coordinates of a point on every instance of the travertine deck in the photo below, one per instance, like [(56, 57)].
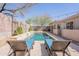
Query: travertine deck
[(4, 50), (73, 48), (39, 49)]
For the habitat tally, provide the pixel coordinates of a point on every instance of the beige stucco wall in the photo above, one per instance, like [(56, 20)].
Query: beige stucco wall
[(25, 26), (76, 23), (14, 25), (62, 25), (5, 25), (71, 34), (55, 31)]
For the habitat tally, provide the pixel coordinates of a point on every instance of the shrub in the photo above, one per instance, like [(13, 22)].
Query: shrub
[(30, 29), (19, 30)]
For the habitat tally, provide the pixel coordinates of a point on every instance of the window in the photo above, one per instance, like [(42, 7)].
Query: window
[(58, 26), (69, 25)]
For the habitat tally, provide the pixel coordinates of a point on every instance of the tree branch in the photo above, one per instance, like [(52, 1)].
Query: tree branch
[(3, 7)]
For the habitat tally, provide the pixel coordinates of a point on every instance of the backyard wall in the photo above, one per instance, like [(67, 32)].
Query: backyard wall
[(25, 26), (5, 25), (71, 34)]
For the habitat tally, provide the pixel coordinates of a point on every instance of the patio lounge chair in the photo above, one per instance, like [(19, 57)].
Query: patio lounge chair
[(58, 46), (17, 46)]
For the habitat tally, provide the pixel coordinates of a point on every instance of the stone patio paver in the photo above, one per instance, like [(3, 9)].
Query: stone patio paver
[(37, 49), (73, 48)]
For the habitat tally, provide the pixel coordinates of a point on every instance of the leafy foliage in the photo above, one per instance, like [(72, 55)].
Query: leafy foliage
[(19, 30), (40, 20), (30, 29), (20, 10)]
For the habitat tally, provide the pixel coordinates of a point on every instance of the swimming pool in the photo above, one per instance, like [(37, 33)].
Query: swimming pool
[(38, 37)]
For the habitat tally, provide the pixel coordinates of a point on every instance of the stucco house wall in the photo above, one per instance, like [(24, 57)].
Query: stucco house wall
[(71, 34), (76, 23), (68, 33), (55, 31)]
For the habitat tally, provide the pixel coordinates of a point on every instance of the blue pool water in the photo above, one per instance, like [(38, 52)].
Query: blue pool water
[(38, 37)]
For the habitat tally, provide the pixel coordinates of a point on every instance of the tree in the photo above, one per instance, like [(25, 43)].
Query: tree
[(19, 30), (14, 12), (20, 9), (40, 20)]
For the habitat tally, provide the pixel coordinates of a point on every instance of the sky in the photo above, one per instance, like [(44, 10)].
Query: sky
[(56, 11)]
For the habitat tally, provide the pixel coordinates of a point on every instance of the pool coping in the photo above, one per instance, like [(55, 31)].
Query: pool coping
[(46, 33)]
